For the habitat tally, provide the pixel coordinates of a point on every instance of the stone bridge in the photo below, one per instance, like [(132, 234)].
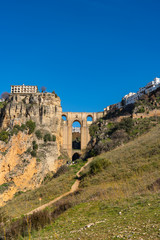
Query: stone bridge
[(80, 117)]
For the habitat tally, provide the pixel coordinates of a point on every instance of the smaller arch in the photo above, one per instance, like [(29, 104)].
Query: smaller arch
[(75, 156), (89, 118), (64, 117)]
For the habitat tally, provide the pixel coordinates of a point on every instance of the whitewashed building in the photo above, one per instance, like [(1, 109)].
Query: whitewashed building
[(24, 89), (153, 85), (132, 97)]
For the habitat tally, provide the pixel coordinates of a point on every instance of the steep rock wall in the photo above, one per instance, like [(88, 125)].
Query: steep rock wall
[(19, 171)]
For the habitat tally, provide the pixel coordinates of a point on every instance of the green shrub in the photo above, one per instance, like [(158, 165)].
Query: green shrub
[(141, 110), (98, 165), (110, 125), (14, 131), (23, 127), (33, 153), (18, 128), (38, 160), (18, 193), (53, 138), (93, 129), (5, 186), (35, 145), (126, 124), (47, 137), (31, 126), (2, 104), (4, 136), (38, 134)]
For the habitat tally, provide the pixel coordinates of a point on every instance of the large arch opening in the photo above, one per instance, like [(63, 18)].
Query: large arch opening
[(76, 135), (75, 156)]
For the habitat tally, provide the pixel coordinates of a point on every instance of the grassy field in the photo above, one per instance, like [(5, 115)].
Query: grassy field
[(27, 201), (137, 218), (119, 196)]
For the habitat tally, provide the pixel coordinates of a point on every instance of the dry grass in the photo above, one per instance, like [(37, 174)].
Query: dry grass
[(133, 167), (29, 200)]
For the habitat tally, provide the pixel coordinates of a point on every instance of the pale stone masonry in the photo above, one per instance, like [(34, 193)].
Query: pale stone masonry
[(23, 89)]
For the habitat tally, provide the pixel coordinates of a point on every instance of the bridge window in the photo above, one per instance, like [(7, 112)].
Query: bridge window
[(76, 135), (89, 119), (64, 118)]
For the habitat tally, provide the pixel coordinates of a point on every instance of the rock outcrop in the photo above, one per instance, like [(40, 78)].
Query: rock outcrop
[(26, 159)]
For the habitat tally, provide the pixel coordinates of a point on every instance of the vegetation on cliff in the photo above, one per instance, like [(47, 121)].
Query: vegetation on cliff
[(106, 135)]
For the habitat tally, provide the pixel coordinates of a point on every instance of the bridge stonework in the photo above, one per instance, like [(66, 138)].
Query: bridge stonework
[(80, 117)]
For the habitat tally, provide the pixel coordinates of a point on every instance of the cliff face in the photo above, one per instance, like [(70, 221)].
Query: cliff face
[(25, 159)]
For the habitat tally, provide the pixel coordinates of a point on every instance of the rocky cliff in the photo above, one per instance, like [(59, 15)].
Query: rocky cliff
[(30, 130)]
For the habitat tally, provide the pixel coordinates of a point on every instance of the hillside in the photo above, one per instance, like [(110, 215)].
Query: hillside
[(118, 197)]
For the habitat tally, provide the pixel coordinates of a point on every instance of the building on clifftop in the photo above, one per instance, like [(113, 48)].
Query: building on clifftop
[(23, 89)]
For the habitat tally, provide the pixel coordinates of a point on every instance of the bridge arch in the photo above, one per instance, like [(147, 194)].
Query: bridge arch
[(77, 120), (76, 134), (66, 129), (64, 117), (76, 156), (90, 115), (90, 118)]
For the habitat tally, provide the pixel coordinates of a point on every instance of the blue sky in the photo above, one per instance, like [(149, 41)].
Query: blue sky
[(91, 52)]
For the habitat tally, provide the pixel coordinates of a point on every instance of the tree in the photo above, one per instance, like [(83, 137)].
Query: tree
[(43, 89), (5, 95), (31, 126)]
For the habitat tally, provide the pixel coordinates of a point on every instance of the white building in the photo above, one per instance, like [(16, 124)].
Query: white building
[(132, 97), (141, 91), (76, 129), (153, 85), (23, 89)]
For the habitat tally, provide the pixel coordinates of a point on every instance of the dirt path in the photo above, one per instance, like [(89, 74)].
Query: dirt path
[(73, 189)]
